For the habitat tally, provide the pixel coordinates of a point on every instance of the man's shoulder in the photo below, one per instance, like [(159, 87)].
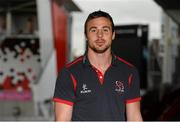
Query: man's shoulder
[(123, 62), (124, 65), (74, 63)]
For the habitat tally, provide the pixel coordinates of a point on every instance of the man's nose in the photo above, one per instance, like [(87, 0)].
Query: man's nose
[(99, 33)]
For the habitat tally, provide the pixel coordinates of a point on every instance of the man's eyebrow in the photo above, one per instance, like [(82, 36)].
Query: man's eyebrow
[(93, 27), (107, 27)]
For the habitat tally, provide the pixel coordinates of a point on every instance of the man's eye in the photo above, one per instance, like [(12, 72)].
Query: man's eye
[(93, 30), (106, 30)]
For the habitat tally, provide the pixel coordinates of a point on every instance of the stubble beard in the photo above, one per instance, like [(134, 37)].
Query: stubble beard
[(98, 49)]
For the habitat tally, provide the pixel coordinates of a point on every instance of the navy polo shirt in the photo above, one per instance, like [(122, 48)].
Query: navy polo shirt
[(95, 96)]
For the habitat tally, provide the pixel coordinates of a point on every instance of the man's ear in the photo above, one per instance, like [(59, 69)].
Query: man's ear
[(113, 36)]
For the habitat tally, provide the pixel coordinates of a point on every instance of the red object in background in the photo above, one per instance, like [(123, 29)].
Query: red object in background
[(60, 34), (7, 85)]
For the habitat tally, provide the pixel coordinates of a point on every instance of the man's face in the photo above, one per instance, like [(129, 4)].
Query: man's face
[(99, 34)]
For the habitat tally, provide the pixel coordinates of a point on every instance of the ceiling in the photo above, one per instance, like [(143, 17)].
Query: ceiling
[(68, 4), (29, 6), (171, 7)]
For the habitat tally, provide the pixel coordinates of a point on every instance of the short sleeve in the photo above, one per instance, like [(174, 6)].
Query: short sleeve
[(133, 90), (64, 90)]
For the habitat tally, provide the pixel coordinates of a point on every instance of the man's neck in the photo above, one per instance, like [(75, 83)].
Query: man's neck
[(100, 60)]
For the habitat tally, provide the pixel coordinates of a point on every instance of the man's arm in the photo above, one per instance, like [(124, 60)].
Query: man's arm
[(63, 112), (133, 112)]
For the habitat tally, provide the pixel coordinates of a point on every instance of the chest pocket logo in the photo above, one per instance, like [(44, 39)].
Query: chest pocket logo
[(85, 89), (119, 87)]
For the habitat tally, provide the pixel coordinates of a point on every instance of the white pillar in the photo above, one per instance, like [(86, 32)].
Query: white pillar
[(8, 23), (167, 60), (45, 29)]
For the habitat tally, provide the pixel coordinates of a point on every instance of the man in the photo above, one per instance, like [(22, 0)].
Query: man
[(99, 85)]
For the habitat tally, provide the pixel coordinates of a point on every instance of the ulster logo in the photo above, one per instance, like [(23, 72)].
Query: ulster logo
[(119, 87), (85, 89)]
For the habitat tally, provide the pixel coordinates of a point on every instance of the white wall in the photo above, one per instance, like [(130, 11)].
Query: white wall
[(45, 29)]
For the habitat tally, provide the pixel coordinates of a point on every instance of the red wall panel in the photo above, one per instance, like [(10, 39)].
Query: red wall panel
[(60, 34)]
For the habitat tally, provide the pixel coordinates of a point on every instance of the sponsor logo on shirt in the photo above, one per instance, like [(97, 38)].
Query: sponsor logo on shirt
[(119, 86), (85, 89)]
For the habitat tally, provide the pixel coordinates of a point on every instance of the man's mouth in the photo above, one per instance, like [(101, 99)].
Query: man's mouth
[(100, 42)]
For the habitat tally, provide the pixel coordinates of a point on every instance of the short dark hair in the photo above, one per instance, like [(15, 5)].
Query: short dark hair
[(97, 14)]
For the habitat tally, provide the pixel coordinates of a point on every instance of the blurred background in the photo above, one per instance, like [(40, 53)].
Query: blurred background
[(38, 37)]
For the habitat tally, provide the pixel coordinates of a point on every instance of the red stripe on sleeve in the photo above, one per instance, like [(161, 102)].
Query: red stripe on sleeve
[(74, 82), (63, 101), (130, 80), (133, 100)]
